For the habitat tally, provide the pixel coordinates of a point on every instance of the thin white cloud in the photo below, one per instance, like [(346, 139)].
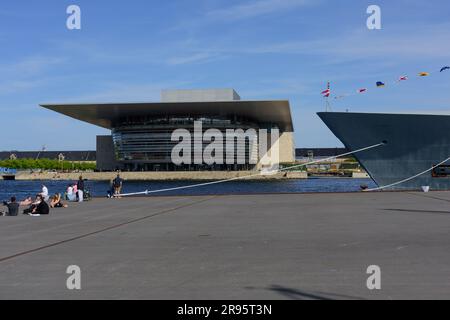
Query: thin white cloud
[(273, 88), (26, 74), (429, 42), (245, 10), (199, 57), (424, 42), (186, 53), (31, 65), (16, 86), (254, 8), (123, 92)]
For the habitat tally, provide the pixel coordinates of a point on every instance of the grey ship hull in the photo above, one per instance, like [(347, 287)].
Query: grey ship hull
[(415, 143)]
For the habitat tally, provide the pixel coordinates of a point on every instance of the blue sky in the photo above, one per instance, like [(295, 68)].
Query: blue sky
[(266, 49)]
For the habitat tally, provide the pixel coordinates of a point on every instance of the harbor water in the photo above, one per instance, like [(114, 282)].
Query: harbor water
[(22, 189)]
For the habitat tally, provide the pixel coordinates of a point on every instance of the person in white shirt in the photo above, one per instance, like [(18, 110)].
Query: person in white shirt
[(71, 196), (44, 193)]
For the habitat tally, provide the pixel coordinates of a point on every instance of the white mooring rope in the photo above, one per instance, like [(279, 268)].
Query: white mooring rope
[(147, 192), (408, 179)]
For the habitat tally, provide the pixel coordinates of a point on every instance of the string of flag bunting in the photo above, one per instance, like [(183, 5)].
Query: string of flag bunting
[(379, 84)]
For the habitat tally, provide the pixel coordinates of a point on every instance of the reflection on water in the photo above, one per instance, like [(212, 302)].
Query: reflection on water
[(21, 189)]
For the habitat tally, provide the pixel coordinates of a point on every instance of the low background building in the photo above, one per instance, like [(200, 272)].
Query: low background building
[(306, 154), (77, 156)]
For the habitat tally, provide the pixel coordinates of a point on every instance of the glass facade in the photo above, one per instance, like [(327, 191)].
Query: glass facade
[(145, 144)]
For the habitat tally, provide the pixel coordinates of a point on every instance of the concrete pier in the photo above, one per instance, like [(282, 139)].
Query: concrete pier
[(159, 176), (284, 246)]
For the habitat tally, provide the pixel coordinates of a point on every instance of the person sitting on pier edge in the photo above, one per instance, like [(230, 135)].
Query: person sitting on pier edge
[(39, 207), (44, 193), (13, 207), (75, 191), (70, 194), (42, 208), (26, 202), (55, 202), (110, 192), (32, 205)]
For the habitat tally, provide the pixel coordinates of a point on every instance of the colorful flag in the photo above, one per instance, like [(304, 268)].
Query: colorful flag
[(424, 74), (403, 78), (380, 84), (327, 92), (363, 90), (445, 68)]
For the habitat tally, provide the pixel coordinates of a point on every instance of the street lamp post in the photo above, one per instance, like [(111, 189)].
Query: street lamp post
[(61, 159), (42, 150)]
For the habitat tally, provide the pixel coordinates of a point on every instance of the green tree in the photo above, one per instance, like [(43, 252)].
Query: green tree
[(46, 164)]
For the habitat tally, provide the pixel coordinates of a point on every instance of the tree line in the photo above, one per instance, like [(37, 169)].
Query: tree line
[(47, 164)]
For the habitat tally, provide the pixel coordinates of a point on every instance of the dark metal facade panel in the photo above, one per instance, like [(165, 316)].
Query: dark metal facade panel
[(319, 152), (109, 115)]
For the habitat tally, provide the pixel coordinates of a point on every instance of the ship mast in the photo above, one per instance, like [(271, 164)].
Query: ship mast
[(327, 94), (327, 105)]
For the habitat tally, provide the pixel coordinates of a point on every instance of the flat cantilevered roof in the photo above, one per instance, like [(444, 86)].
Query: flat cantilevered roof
[(108, 115)]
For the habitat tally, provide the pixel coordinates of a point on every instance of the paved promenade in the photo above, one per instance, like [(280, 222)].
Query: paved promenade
[(292, 246)]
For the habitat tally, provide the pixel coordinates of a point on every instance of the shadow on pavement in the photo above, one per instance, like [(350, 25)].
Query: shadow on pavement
[(295, 294), (420, 211)]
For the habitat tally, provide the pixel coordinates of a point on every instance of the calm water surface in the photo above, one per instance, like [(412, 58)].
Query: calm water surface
[(22, 189)]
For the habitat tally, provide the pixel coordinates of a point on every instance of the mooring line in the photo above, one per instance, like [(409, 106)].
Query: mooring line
[(104, 229), (147, 192), (408, 179)]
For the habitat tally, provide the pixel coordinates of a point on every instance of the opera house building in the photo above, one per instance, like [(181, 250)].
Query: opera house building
[(142, 133)]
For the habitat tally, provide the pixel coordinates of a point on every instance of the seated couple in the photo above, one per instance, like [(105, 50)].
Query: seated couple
[(38, 207), (71, 193)]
